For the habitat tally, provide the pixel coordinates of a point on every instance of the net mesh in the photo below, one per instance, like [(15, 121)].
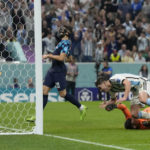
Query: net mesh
[(17, 68)]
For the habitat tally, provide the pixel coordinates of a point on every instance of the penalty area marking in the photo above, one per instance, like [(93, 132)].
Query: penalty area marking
[(87, 142)]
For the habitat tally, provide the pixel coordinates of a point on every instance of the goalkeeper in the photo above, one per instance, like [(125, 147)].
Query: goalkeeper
[(130, 123), (56, 75)]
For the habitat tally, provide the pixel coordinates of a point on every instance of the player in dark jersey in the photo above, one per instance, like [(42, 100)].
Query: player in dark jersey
[(56, 75)]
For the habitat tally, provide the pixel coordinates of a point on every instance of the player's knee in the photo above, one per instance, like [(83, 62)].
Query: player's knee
[(143, 96)]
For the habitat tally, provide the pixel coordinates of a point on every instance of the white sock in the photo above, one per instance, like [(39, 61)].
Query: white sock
[(81, 107), (145, 115)]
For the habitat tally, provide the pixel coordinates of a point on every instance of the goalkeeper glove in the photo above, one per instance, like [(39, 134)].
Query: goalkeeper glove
[(110, 107)]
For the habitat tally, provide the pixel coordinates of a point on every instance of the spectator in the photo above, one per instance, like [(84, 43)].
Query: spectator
[(142, 42), (110, 19), (115, 56), (144, 23), (124, 8), (5, 19), (50, 17), (45, 29), (15, 83), (148, 57), (48, 5), (30, 83), (144, 71), (122, 51), (112, 44), (117, 23), (138, 26), (29, 26), (127, 57), (48, 44), (131, 39), (145, 53), (110, 6), (76, 44), (4, 54), (136, 7), (146, 8), (99, 52), (17, 16), (134, 52), (87, 47), (128, 24), (140, 58), (148, 32), (21, 35), (72, 73)]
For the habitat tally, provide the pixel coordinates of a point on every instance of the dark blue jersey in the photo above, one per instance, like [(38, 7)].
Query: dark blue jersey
[(64, 46)]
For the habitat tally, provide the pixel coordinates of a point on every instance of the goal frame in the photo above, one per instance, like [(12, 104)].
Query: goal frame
[(38, 129), (38, 67)]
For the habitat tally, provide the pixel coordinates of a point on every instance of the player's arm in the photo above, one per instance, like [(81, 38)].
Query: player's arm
[(60, 57), (68, 58), (125, 110), (127, 86)]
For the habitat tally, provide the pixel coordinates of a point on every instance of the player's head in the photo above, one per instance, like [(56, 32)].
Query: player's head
[(132, 123), (103, 82), (65, 31), (128, 124)]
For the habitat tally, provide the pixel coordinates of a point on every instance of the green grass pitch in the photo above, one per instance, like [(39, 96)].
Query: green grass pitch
[(99, 126)]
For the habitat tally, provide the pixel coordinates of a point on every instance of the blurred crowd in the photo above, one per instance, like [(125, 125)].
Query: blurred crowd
[(113, 30), (16, 24)]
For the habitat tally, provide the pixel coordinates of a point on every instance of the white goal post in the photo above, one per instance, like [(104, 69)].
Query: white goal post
[(38, 62), (21, 71)]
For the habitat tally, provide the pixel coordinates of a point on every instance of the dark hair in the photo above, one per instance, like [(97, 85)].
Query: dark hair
[(101, 78), (146, 71), (128, 124), (65, 30)]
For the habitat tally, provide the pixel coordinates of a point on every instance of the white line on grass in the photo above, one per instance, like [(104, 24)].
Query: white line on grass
[(87, 142)]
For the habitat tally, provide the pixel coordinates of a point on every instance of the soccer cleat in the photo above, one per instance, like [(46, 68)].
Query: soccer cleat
[(83, 112), (31, 119)]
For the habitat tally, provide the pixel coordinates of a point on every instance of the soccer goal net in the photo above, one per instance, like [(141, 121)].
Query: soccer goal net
[(20, 67)]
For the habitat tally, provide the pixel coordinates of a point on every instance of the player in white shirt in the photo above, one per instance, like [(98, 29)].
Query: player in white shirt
[(139, 86)]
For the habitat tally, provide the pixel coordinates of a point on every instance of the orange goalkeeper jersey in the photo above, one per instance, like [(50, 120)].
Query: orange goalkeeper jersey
[(127, 114)]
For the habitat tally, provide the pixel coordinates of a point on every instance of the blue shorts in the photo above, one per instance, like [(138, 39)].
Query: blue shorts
[(57, 79)]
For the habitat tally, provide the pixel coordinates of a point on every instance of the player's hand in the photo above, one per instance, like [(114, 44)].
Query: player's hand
[(120, 100), (44, 56), (103, 105)]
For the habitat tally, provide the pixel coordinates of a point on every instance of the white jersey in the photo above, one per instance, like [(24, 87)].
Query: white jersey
[(137, 83)]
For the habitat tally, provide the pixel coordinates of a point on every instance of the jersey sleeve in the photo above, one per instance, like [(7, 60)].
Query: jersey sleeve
[(117, 79), (66, 46), (125, 110)]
